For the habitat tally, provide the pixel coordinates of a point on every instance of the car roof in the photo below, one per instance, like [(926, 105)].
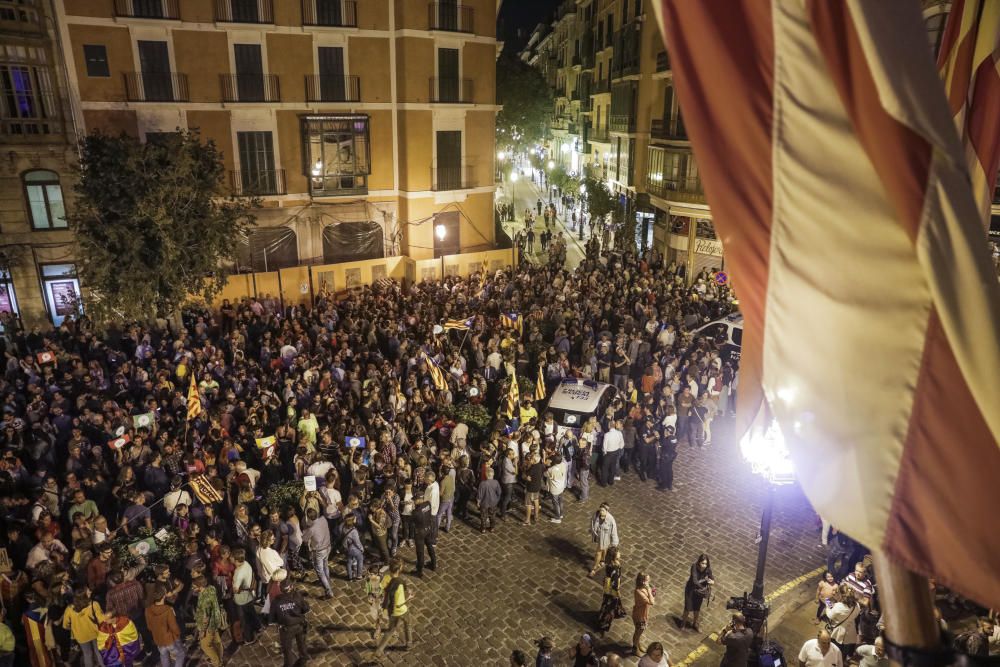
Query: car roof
[(578, 395)]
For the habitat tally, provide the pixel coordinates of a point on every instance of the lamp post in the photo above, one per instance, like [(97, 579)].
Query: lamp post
[(440, 231), (763, 447), (513, 186)]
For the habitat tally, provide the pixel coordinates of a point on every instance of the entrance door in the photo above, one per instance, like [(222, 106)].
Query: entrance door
[(154, 61)]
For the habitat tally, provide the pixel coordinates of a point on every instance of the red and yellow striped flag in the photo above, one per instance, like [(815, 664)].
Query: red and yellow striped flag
[(967, 62), (194, 400), (540, 385), (512, 407)]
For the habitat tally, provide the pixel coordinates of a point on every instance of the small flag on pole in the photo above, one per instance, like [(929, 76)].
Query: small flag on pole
[(356, 441), (540, 385), (119, 442), (206, 493), (267, 445), (194, 400), (513, 407), (145, 420), (461, 325), (512, 321)]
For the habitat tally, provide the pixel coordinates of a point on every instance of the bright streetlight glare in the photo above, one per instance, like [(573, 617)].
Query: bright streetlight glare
[(565, 148), (764, 449), (440, 231), (500, 155), (552, 164), (513, 177), (583, 188)]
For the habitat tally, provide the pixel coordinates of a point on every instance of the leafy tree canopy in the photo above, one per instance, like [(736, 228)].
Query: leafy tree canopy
[(527, 103), (600, 201), (152, 225)]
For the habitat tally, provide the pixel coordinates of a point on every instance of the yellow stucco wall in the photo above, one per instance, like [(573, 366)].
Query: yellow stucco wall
[(119, 49)]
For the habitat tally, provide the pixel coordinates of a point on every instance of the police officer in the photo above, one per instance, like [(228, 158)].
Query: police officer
[(289, 611), (424, 534), (668, 452)]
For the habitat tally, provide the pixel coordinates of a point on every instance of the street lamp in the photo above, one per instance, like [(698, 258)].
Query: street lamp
[(513, 185), (552, 164), (763, 447)]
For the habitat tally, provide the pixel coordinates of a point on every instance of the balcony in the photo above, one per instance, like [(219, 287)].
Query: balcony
[(602, 86), (662, 61), (621, 122), (244, 11), (676, 189), (323, 88), (575, 95), (156, 87), (599, 135), (330, 13), (577, 61), (257, 183), (460, 177), (250, 88), (666, 130), (449, 17), (148, 9), (450, 91)]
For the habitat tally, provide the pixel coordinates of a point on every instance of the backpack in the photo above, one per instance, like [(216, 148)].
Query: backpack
[(389, 595)]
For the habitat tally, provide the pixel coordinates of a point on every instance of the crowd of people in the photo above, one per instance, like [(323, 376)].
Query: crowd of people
[(140, 513)]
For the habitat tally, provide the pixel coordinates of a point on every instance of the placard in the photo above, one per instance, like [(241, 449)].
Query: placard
[(310, 482), (5, 565), (354, 441), (64, 297)]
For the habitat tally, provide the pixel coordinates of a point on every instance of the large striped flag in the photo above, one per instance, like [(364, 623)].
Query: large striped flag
[(118, 642), (438, 378), (204, 489), (841, 194), (512, 406), (462, 325), (194, 400), (970, 50), (512, 321)]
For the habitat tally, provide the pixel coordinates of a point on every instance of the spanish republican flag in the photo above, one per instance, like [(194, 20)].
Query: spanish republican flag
[(118, 642), (194, 400), (842, 195)]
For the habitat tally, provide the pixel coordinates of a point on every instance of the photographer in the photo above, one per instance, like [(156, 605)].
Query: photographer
[(736, 637)]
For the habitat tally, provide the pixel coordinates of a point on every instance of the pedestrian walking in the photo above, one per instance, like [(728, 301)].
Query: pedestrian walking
[(209, 621), (395, 601), (843, 618), (289, 611), (696, 590), (373, 593), (555, 481), (317, 537), (81, 618), (820, 652), (644, 598), (353, 548), (668, 453), (487, 499), (244, 594), (613, 444), (424, 536), (162, 622), (508, 477), (534, 476), (611, 603), (604, 531), (465, 488)]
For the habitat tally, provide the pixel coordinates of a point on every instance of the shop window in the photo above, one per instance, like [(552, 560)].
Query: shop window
[(61, 290)]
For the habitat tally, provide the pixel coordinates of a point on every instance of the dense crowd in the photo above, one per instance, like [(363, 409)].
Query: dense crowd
[(348, 432)]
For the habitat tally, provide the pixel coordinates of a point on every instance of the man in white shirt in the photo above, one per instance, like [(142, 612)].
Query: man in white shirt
[(614, 442), (433, 492), (555, 484), (820, 652)]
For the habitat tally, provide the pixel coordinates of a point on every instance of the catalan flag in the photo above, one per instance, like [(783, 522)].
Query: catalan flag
[(206, 493), (540, 385), (512, 321), (462, 325), (437, 375), (194, 400), (970, 50), (513, 406)]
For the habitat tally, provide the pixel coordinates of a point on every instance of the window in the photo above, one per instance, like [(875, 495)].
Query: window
[(45, 201), (96, 57), (27, 103), (162, 137), (8, 299), (61, 290), (257, 173), (21, 11), (337, 153)]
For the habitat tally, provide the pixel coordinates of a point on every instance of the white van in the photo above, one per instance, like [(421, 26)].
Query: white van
[(575, 401)]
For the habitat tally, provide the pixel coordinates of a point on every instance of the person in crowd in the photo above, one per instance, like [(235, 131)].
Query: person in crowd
[(872, 655), (826, 594), (162, 622), (611, 603), (820, 651), (696, 590), (81, 619), (737, 638), (582, 654), (209, 620), (487, 498), (644, 598), (655, 656), (604, 532), (395, 600), (843, 620), (289, 611)]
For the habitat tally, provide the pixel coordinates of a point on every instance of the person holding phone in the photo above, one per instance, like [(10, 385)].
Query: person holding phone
[(645, 597)]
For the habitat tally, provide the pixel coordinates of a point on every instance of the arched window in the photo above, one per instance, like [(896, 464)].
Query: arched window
[(45, 201)]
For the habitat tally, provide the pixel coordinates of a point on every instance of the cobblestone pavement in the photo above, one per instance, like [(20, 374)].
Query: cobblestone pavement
[(497, 592)]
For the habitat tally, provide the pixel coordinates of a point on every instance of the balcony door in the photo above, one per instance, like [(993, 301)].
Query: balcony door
[(448, 84), (449, 160), (244, 11), (447, 15), (149, 9), (329, 12), (257, 175), (154, 62), (249, 72), (331, 73)]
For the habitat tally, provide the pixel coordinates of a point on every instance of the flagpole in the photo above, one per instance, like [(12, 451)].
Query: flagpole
[(909, 610)]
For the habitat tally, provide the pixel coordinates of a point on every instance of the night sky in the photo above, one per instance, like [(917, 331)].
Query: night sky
[(519, 17)]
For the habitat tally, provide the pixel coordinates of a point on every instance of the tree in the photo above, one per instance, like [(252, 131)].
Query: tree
[(600, 201), (152, 225), (560, 178), (526, 100)]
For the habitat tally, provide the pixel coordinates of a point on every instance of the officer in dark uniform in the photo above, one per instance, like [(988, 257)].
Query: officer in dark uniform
[(668, 452), (424, 533), (289, 611)]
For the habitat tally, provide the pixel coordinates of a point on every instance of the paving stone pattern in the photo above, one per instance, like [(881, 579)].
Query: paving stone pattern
[(497, 592)]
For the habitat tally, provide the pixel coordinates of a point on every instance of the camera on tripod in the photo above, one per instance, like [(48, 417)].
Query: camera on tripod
[(753, 610)]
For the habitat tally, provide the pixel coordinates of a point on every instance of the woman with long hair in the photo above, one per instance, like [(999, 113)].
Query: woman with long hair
[(645, 597), (842, 623), (697, 589), (611, 603)]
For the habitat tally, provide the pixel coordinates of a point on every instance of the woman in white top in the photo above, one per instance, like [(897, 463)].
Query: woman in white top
[(655, 656), (843, 616), (268, 561)]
